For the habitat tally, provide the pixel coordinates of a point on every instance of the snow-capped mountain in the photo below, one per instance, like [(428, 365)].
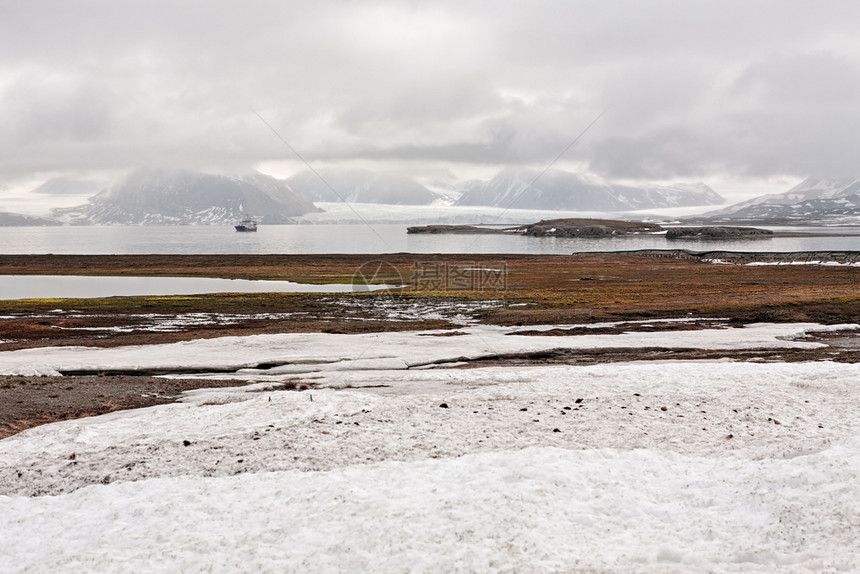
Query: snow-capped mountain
[(360, 186), (561, 190), (66, 186), (813, 200), (181, 197)]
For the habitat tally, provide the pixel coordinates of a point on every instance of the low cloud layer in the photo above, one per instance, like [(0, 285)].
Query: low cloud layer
[(691, 90)]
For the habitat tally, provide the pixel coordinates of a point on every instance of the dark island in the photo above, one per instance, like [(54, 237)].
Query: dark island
[(716, 232), (597, 228)]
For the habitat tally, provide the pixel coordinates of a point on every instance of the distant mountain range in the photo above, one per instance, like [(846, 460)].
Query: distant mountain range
[(561, 190), (360, 186), (184, 197), (152, 196), (515, 188), (814, 200)]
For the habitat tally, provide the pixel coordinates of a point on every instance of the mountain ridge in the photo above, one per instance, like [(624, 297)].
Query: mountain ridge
[(158, 196), (562, 190), (815, 199)]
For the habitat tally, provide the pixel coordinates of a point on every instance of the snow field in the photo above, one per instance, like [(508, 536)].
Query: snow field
[(493, 409), (532, 510), (675, 466), (307, 352)]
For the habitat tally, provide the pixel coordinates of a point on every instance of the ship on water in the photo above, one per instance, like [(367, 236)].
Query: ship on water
[(247, 224)]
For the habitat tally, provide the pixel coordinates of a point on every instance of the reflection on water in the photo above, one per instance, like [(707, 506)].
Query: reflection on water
[(71, 286), (380, 238)]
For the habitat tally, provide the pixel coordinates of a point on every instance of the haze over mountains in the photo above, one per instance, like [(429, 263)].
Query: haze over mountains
[(152, 196), (518, 188), (360, 186), (183, 197), (68, 186), (557, 189)]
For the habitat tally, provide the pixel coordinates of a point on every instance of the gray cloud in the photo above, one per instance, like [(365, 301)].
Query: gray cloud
[(692, 89)]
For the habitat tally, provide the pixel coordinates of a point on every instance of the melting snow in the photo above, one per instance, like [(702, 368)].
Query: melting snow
[(639, 467), (305, 352)]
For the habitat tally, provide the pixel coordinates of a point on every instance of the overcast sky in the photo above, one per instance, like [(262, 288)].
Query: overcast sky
[(727, 92)]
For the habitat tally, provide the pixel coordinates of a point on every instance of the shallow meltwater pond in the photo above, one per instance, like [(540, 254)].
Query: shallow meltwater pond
[(82, 286)]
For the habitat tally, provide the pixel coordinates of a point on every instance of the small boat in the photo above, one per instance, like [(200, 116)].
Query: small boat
[(246, 224)]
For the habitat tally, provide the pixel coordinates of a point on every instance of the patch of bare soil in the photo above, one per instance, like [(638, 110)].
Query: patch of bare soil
[(617, 355), (119, 329), (26, 402), (650, 327)]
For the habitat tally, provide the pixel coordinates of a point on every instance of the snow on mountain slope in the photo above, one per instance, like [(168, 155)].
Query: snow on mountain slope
[(557, 189), (183, 197), (814, 199), (360, 186)]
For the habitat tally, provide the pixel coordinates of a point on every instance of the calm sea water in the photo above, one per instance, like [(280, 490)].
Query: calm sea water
[(71, 286), (379, 238)]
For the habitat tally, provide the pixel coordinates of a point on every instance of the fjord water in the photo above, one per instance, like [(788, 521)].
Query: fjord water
[(375, 239)]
